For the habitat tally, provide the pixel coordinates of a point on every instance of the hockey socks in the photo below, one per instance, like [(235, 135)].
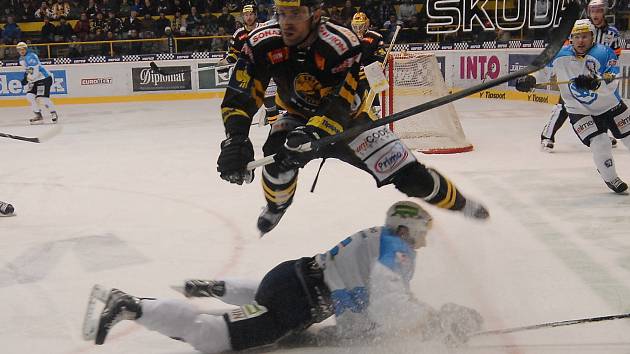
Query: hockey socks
[(601, 148), (445, 194), (279, 189)]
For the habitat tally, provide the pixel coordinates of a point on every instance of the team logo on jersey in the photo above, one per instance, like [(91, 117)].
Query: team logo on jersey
[(278, 55), (591, 66), (583, 96), (308, 88), (243, 78)]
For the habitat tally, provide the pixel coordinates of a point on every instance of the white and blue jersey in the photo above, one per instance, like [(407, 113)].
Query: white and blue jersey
[(566, 65), (368, 275), (34, 69)]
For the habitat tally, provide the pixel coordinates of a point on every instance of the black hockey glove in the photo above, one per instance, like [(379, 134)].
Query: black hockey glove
[(291, 157), (525, 83), (236, 152), (585, 82), (25, 80)]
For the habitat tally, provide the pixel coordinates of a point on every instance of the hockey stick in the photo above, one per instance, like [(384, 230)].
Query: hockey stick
[(552, 324), (569, 15), (164, 70), (570, 81), (39, 139)]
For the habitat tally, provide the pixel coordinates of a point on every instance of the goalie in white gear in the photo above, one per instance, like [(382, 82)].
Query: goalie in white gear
[(38, 81), (363, 282), (591, 97)]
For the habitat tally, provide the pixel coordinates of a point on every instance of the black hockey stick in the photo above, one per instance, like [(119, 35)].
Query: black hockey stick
[(558, 36), (552, 324), (39, 139), (165, 71)]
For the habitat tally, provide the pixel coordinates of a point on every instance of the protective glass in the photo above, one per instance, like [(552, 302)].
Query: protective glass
[(291, 15)]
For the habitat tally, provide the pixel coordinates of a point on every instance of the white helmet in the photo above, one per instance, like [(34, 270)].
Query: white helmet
[(597, 4), (411, 216), (583, 26), (21, 45)]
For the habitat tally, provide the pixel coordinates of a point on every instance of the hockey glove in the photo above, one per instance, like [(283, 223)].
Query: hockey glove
[(525, 83), (25, 80), (609, 77), (585, 82), (292, 155), (236, 152)]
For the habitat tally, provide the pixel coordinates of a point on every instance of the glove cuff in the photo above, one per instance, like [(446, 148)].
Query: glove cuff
[(323, 126)]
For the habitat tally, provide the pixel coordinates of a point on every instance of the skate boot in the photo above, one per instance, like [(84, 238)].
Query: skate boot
[(613, 141), (204, 288), (268, 219), (6, 208), (119, 306), (617, 185), (475, 210), (54, 117), (37, 119), (546, 145)]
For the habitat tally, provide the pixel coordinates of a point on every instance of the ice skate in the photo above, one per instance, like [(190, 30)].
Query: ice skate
[(268, 219), (617, 185), (119, 306), (6, 209), (546, 145), (54, 117), (37, 119), (475, 210), (204, 288)]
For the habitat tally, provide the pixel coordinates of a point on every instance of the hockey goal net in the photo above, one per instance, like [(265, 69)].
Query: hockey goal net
[(415, 79)]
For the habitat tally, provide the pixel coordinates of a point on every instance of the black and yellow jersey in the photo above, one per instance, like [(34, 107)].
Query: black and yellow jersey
[(321, 83), (373, 48), (236, 44)]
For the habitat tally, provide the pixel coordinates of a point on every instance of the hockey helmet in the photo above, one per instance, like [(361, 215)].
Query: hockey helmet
[(21, 45), (249, 8), (597, 4), (410, 216), (360, 23), (298, 3), (583, 26)]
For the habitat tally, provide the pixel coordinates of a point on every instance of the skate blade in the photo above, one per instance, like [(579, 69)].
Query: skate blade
[(96, 303)]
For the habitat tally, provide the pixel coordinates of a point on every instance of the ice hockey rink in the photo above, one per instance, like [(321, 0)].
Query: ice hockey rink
[(128, 196)]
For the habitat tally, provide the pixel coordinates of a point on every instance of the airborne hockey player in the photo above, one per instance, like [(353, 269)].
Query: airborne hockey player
[(250, 22), (592, 98), (363, 281), (38, 81), (605, 34), (316, 66)]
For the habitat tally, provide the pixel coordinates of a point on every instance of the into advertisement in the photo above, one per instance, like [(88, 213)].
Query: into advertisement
[(144, 79), (11, 83), (214, 79)]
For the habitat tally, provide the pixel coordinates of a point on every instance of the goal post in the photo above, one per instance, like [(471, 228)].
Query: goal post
[(415, 79)]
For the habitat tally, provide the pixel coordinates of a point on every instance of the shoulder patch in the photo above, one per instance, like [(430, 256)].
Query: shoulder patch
[(337, 39), (346, 32), (263, 33)]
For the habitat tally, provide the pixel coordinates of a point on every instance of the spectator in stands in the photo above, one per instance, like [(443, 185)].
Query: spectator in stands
[(114, 25), (151, 8), (148, 25), (64, 30), (25, 12), (219, 44), (132, 23), (226, 20), (138, 6), (384, 12), (99, 23), (161, 23), (233, 5), (125, 9), (48, 31), (134, 47), (43, 11), (164, 6), (92, 9), (503, 35), (262, 13), (193, 20), (60, 8), (75, 10), (212, 24), (406, 11), (170, 41), (178, 21), (181, 5), (182, 32), (74, 49), (347, 13), (11, 34), (390, 27), (82, 27)]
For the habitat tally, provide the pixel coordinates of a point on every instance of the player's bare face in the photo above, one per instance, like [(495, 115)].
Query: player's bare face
[(22, 51), (295, 23), (249, 18), (597, 17), (582, 42)]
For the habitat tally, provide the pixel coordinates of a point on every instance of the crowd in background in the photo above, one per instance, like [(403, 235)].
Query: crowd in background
[(103, 20)]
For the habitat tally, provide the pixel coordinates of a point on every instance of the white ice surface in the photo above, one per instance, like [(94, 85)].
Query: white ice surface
[(128, 196)]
